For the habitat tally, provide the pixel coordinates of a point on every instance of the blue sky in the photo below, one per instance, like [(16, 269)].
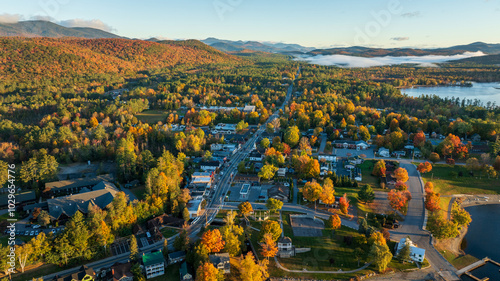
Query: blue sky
[(387, 23)]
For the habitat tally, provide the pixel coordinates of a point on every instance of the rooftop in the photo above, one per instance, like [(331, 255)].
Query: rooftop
[(153, 258)]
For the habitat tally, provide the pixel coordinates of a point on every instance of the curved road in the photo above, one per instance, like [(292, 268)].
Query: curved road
[(414, 221)]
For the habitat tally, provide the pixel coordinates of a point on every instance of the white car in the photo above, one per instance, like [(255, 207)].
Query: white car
[(36, 226), (286, 184)]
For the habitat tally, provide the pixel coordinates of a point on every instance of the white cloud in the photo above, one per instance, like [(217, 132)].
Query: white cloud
[(10, 18), (352, 61), (400, 38), (95, 23)]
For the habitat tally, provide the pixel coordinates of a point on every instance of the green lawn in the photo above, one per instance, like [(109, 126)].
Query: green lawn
[(366, 171), (171, 273), (447, 184), (152, 116), (139, 191), (35, 272), (460, 261), (169, 232)]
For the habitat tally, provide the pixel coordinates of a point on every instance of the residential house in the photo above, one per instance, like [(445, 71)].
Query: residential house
[(416, 254), (243, 178), (222, 128), (279, 192), (185, 273), (221, 261), (210, 166), (256, 156), (194, 207), (84, 274), (162, 221), (285, 247), (176, 257), (120, 272), (282, 172), (327, 158), (349, 144), (384, 152), (154, 264), (476, 138), (249, 108)]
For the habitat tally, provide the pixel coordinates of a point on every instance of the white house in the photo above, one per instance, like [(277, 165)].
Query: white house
[(328, 158), (194, 207), (256, 156), (416, 254), (222, 128), (285, 248), (249, 108), (282, 172), (210, 166), (384, 152)]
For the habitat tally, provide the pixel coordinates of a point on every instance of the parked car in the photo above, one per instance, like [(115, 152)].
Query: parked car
[(54, 231), (32, 232), (27, 232), (36, 226), (36, 233)]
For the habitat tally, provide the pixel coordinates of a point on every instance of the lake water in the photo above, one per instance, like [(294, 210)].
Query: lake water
[(483, 239), (485, 92)]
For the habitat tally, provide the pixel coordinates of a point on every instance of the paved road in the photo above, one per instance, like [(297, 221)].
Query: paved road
[(412, 226), (295, 191), (230, 169)]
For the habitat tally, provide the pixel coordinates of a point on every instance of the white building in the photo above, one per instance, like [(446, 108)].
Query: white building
[(384, 152), (416, 254), (327, 158), (194, 207), (249, 108), (222, 128), (154, 264), (282, 172), (245, 189)]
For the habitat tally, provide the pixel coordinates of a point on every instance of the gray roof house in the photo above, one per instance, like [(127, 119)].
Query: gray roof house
[(221, 261), (102, 195)]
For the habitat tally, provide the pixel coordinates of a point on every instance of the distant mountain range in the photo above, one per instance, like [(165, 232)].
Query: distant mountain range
[(37, 28), (397, 52), (49, 29), (237, 46)]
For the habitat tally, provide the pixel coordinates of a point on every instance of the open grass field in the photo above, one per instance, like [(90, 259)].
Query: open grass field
[(366, 171), (169, 232), (139, 191), (171, 273), (152, 116), (447, 183)]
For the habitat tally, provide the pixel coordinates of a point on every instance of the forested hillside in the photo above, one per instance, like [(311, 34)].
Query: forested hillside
[(27, 63)]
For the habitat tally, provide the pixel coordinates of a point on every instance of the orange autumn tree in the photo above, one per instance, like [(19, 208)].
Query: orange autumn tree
[(269, 248), (424, 167), (419, 139), (398, 199), (432, 201), (333, 222), (212, 239), (207, 272), (429, 187), (344, 204), (401, 174)]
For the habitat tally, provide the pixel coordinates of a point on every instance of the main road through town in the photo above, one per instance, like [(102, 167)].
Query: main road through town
[(224, 179)]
